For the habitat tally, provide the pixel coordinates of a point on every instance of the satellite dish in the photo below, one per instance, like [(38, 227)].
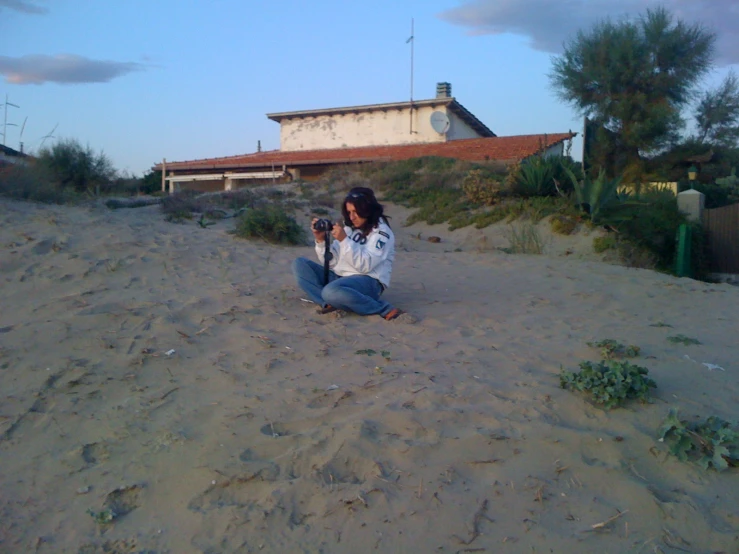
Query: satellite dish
[(440, 122)]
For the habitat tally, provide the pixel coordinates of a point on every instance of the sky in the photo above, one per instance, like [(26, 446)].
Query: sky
[(143, 80)]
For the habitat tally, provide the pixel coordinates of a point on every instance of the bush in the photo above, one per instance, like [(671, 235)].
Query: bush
[(482, 188), (610, 383), (653, 226), (524, 238), (607, 242), (272, 224), (71, 165), (563, 225), (712, 443), (543, 176), (33, 183)]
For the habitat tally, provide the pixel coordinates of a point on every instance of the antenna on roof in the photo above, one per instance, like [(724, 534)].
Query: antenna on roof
[(20, 139), (50, 135), (5, 119), (412, 41)]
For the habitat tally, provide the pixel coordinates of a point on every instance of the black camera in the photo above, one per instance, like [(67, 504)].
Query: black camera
[(324, 225)]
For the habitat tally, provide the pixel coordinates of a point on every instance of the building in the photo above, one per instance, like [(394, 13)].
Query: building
[(313, 141), (10, 156)]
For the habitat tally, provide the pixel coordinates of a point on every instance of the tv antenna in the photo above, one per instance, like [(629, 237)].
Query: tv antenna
[(412, 40), (20, 139), (5, 119), (50, 135)]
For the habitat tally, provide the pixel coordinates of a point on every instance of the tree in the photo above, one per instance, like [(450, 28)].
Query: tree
[(717, 114), (73, 166), (632, 78)]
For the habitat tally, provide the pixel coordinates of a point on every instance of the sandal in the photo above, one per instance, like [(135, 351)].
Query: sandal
[(392, 314), (327, 309)]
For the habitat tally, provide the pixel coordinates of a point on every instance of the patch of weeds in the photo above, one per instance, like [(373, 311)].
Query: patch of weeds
[(117, 203), (319, 210), (203, 223), (682, 339), (610, 383), (711, 443), (366, 351), (272, 224), (563, 225), (524, 238), (607, 242), (103, 517), (660, 324), (612, 349)]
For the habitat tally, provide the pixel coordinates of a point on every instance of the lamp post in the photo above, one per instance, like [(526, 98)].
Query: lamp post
[(692, 175)]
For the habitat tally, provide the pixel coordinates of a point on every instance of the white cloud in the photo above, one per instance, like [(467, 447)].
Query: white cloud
[(548, 24), (63, 69), (22, 6)]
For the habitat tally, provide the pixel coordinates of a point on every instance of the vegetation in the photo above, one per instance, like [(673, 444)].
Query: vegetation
[(633, 78), (717, 114), (612, 349), (610, 383), (272, 224), (711, 443), (524, 238), (76, 167), (682, 339)]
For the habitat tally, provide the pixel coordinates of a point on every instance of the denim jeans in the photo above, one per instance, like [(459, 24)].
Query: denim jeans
[(357, 293)]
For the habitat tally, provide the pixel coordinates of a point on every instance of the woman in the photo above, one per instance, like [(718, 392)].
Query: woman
[(361, 260)]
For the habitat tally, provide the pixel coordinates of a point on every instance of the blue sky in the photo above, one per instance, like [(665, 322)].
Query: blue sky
[(143, 80)]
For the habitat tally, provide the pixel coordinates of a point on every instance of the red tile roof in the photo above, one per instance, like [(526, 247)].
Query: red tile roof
[(507, 149)]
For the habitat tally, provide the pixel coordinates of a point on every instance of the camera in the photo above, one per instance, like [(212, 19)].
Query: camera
[(324, 225)]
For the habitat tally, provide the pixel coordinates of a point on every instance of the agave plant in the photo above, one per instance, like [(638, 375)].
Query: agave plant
[(595, 196)]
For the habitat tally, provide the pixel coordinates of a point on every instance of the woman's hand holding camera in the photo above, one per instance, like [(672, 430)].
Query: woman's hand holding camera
[(338, 231), (318, 235)]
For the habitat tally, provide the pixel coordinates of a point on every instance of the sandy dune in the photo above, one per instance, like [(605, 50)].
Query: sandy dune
[(267, 429)]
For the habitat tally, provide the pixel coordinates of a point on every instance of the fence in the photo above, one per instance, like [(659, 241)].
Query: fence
[(721, 226)]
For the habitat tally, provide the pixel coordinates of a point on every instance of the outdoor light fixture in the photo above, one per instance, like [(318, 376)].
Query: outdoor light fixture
[(692, 173)]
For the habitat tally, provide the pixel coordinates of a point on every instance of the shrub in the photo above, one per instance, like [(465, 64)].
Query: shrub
[(652, 225), (563, 225), (543, 176), (524, 238), (607, 242), (33, 183), (611, 349), (610, 383), (712, 443), (272, 224), (73, 166), (179, 205), (533, 177), (482, 188)]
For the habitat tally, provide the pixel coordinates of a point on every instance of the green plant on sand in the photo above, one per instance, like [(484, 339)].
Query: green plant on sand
[(272, 224), (612, 349), (712, 443), (610, 382)]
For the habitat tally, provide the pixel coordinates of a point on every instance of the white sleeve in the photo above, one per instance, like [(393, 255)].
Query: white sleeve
[(366, 257)]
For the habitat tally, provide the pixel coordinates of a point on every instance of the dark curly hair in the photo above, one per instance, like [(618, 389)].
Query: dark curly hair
[(364, 201)]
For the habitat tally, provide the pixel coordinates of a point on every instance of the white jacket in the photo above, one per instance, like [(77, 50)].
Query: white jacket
[(359, 255)]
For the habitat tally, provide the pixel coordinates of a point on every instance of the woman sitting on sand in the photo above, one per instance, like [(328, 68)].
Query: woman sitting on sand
[(361, 260)]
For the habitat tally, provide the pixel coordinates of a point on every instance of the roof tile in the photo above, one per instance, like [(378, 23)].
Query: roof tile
[(507, 149)]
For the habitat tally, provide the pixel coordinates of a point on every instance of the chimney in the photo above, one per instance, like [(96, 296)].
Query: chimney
[(443, 90)]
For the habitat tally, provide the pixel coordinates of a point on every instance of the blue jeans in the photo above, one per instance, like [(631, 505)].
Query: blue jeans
[(357, 293)]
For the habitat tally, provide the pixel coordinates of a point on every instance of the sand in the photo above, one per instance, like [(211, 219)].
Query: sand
[(170, 375)]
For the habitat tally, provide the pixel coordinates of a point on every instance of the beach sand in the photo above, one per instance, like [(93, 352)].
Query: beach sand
[(170, 375)]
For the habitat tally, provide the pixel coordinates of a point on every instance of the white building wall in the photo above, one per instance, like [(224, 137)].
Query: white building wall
[(458, 129), (555, 150), (370, 128)]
